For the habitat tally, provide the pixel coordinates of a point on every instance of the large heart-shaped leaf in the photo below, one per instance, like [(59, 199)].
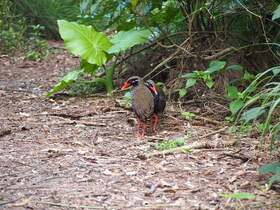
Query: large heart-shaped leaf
[(84, 41), (127, 39)]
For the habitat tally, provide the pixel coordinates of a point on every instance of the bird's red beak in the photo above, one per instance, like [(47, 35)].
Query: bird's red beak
[(125, 86), (154, 89)]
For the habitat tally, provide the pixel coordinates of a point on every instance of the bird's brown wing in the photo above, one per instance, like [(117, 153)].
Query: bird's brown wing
[(143, 102)]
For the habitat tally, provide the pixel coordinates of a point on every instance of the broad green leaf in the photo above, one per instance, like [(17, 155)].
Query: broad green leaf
[(232, 92), (235, 106), (84, 41), (215, 66), (273, 168), (65, 82), (88, 67), (252, 114), (127, 39), (235, 67), (276, 13), (209, 82), (190, 82), (182, 92), (238, 195)]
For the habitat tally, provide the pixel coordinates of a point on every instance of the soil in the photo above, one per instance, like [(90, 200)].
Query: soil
[(82, 152)]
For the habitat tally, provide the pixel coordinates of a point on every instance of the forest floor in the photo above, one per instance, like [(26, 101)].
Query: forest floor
[(81, 152)]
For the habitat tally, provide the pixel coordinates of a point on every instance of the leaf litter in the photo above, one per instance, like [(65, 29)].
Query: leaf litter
[(81, 152)]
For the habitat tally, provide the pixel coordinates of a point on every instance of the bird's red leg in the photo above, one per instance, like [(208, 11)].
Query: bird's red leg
[(144, 128), (156, 123), (138, 127), (151, 123)]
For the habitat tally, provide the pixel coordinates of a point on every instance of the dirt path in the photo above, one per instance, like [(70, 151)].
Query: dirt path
[(82, 153)]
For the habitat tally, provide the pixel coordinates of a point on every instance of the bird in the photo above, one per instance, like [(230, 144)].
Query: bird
[(142, 101), (159, 101)]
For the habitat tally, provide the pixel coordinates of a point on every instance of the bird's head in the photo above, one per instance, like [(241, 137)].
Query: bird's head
[(132, 81), (152, 86)]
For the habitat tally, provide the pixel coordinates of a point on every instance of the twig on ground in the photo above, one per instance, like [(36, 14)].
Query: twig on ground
[(214, 132), (5, 132), (68, 205), (211, 121), (187, 148)]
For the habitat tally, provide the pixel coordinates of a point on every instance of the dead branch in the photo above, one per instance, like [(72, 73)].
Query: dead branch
[(5, 132), (219, 54), (195, 145)]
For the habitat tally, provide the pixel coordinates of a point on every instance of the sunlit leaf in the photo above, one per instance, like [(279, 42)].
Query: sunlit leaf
[(238, 195), (134, 3), (84, 41), (127, 39), (235, 106), (248, 77), (209, 83), (182, 92), (65, 82), (169, 144), (232, 92)]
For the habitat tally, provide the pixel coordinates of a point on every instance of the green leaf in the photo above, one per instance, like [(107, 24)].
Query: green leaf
[(274, 179), (189, 75), (276, 13), (270, 168), (134, 3), (84, 41), (215, 66), (238, 195), (188, 115), (127, 39), (276, 71), (182, 92), (252, 114), (190, 82), (88, 67), (65, 82), (209, 82), (235, 106), (232, 92), (248, 77), (235, 67), (169, 144), (273, 168)]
